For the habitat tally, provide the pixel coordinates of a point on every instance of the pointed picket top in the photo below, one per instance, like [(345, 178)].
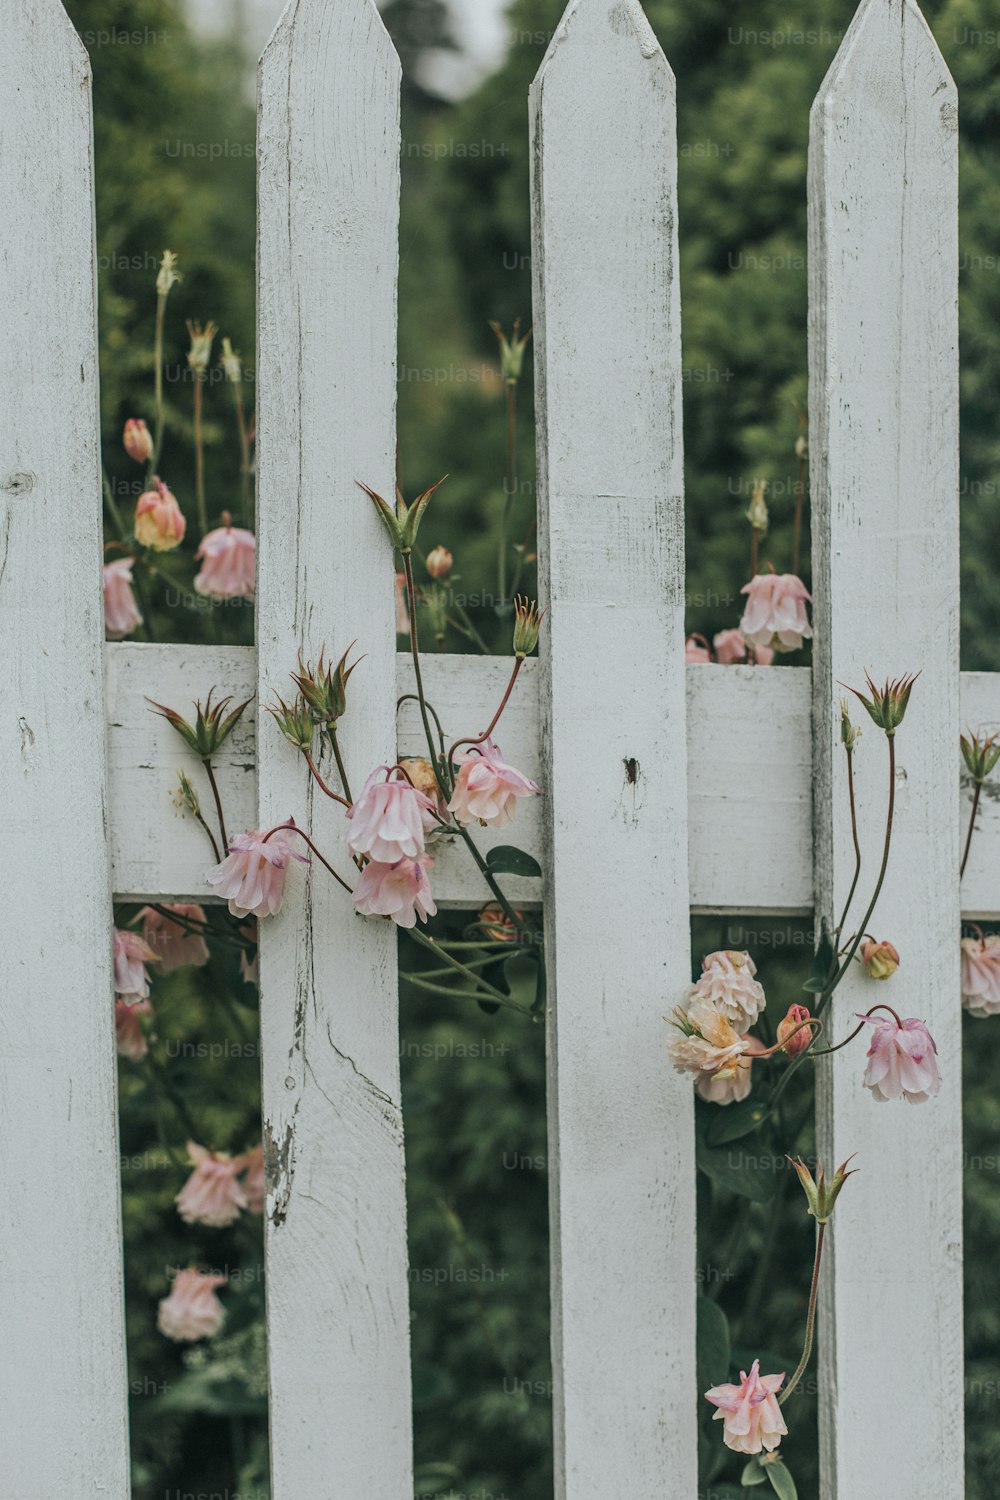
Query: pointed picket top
[(884, 30), (595, 21), (303, 18), (47, 23)]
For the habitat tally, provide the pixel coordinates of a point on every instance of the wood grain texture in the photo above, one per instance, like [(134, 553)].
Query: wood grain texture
[(607, 320), (884, 409), (62, 1378), (338, 1327)]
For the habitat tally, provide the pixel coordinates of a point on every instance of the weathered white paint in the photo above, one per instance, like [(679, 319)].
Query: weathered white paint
[(884, 409), (607, 311), (338, 1328), (62, 1377)]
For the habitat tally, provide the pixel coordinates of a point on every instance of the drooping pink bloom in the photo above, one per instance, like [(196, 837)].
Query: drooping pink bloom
[(902, 1061), (400, 891), (487, 788), (727, 982), (775, 613), (387, 819), (192, 1311), (696, 651), (730, 1088), (129, 1035), (159, 520), (132, 954), (402, 613), (252, 876), (730, 647), (981, 975), (792, 1040), (749, 1411), (121, 613), (175, 946), (213, 1194), (763, 656), (228, 559), (708, 1047), (253, 1179), (137, 440), (881, 960)]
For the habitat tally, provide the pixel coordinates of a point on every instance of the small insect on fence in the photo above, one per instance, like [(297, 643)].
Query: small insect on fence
[(660, 805)]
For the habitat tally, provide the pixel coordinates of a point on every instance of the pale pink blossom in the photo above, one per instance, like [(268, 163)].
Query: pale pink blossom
[(749, 1411), (726, 1087), (193, 1310), (387, 819), (730, 647), (129, 1035), (159, 520), (727, 982), (138, 440), (228, 564), (132, 953), (902, 1061), (775, 613), (402, 613), (981, 975), (174, 945), (213, 1194), (696, 651), (487, 788), (121, 613), (252, 876), (708, 1047), (763, 656), (400, 891), (253, 1180)]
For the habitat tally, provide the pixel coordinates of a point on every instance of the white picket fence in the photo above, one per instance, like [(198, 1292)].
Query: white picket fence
[(732, 810)]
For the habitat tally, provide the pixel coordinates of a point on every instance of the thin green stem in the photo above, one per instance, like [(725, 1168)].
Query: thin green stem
[(800, 491), (857, 847), (421, 938), (810, 1319), (418, 676), (241, 423), (334, 796), (154, 462), (210, 773), (972, 828), (199, 454), (478, 739), (113, 511), (331, 730), (510, 487), (459, 994), (139, 580), (294, 828)]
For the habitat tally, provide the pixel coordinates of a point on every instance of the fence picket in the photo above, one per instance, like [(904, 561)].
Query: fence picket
[(607, 313), (62, 1382), (884, 408), (336, 1221)]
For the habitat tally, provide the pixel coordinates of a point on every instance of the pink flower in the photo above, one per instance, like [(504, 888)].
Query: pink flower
[(192, 1311), (402, 613), (487, 788), (696, 650), (708, 1046), (775, 613), (213, 1194), (253, 1180), (981, 975), (159, 520), (137, 440), (763, 656), (132, 955), (252, 876), (726, 1087), (228, 564), (400, 891), (902, 1061), (175, 946), (728, 984), (129, 1035), (730, 647), (750, 1412), (387, 819), (121, 613), (791, 1038)]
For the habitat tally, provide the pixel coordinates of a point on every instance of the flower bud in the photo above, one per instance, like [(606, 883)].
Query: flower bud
[(880, 959), (211, 727), (137, 440), (159, 520), (439, 562), (231, 364), (201, 345), (403, 523), (821, 1195), (757, 510), (849, 733), (527, 624), (295, 722), (511, 351), (495, 923), (887, 705), (980, 755), (168, 274), (801, 446), (794, 1044), (324, 687)]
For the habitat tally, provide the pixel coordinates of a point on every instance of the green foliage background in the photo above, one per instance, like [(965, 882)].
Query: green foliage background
[(475, 1121)]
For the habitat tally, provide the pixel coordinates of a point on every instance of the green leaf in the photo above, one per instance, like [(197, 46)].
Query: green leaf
[(815, 985), (731, 1122), (751, 1176), (752, 1474), (713, 1344), (506, 860), (782, 1482)]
